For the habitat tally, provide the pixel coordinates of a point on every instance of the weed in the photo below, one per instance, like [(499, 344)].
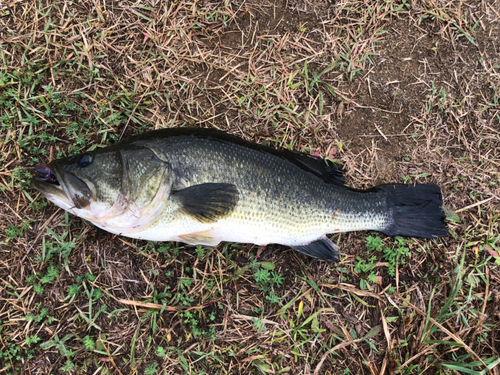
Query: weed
[(151, 369), (59, 344), (395, 254), (366, 266), (258, 324), (161, 352), (20, 178), (200, 251), (88, 343), (14, 231), (80, 78), (32, 340), (68, 366), (42, 316), (374, 243), (267, 279)]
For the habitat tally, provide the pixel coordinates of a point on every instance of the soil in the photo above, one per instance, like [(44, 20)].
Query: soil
[(389, 89)]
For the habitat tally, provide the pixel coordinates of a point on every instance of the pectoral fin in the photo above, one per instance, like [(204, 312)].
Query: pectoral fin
[(321, 249), (208, 202)]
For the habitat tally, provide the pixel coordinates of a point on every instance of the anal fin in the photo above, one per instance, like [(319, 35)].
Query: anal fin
[(323, 249), (200, 238)]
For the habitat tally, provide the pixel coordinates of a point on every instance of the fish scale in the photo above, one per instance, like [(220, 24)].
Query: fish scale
[(264, 198), (203, 186)]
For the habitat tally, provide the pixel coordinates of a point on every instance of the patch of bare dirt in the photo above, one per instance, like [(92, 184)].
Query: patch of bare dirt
[(398, 91)]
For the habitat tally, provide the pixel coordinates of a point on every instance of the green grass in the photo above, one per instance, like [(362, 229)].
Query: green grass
[(77, 300)]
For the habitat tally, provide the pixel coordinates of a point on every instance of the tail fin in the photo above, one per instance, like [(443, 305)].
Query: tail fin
[(416, 211)]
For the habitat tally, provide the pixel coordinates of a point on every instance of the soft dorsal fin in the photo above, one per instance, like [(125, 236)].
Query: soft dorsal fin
[(325, 169), (208, 202)]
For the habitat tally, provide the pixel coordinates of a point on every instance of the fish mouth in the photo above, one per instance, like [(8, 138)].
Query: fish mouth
[(45, 174), (47, 183), (62, 188)]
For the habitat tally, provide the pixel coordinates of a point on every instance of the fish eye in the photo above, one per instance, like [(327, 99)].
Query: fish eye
[(85, 160)]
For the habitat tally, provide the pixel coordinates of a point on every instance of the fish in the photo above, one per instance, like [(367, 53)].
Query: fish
[(204, 186)]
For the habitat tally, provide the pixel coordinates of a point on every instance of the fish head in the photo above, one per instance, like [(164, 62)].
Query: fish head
[(88, 184), (114, 188)]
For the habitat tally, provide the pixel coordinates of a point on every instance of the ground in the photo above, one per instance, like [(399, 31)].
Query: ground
[(398, 91)]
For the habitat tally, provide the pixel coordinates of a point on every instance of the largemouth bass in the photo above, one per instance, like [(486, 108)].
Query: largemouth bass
[(202, 186)]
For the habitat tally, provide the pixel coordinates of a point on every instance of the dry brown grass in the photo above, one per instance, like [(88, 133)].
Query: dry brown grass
[(396, 90)]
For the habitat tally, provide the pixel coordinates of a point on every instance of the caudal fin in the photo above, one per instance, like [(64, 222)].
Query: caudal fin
[(416, 211)]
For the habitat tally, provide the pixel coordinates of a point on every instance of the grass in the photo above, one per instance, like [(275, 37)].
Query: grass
[(398, 91)]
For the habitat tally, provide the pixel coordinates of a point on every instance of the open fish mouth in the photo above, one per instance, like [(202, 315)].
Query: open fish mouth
[(47, 183), (45, 174), (60, 187)]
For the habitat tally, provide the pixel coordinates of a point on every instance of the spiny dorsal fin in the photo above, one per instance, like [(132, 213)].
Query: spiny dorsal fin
[(208, 202)]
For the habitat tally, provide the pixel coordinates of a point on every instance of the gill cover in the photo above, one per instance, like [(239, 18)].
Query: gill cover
[(147, 179), (117, 188)]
